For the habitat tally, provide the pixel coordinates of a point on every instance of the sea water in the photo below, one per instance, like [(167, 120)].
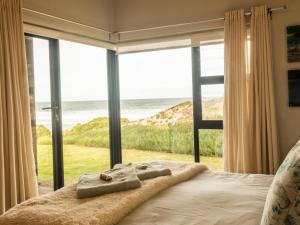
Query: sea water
[(76, 112)]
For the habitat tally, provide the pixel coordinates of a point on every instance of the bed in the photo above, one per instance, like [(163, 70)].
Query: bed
[(191, 195)]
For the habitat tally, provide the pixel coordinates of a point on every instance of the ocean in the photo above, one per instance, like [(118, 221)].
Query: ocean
[(75, 112)]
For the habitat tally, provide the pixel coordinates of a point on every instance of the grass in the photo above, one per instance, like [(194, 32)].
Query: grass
[(171, 138), (80, 159)]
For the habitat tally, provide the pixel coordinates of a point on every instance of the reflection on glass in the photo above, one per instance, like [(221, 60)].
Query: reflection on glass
[(156, 105), (211, 148), (40, 97), (212, 101), (212, 60), (84, 109)]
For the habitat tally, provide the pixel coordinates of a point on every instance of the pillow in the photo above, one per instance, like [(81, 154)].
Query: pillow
[(282, 205)]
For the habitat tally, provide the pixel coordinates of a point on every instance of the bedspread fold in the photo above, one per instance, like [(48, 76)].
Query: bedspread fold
[(63, 208)]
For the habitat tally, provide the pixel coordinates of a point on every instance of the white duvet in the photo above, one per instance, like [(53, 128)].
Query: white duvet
[(207, 199)]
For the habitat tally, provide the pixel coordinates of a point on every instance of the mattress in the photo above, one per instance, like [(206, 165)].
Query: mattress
[(207, 199)]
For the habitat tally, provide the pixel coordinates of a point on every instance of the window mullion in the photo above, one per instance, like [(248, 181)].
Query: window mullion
[(114, 108), (197, 106)]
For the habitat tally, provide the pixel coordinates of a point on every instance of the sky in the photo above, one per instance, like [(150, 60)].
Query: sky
[(156, 74)]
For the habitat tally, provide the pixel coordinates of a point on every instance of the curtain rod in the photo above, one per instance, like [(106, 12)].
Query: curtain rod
[(284, 7)]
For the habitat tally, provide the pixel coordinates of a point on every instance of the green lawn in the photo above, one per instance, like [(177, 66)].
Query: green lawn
[(79, 160)]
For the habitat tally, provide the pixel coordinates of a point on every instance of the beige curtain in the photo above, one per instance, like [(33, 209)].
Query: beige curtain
[(17, 170), (236, 123), (250, 132), (261, 93)]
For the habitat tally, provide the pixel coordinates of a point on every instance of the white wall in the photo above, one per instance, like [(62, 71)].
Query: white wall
[(288, 118)]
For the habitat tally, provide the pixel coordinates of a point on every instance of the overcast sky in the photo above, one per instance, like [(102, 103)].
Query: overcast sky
[(158, 74)]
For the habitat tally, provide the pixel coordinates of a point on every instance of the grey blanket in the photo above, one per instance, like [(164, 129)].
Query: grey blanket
[(147, 170), (90, 185), (123, 177)]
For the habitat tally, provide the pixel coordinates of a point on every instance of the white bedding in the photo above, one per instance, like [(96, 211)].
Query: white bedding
[(207, 199)]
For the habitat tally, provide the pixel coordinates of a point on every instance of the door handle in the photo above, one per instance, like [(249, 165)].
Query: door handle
[(50, 107)]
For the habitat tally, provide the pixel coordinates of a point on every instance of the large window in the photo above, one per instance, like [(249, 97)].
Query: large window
[(88, 104), (84, 109)]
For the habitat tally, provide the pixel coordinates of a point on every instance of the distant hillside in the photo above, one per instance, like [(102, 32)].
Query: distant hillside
[(183, 112), (213, 108), (179, 113)]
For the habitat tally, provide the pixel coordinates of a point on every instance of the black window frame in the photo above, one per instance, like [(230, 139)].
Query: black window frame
[(198, 82)]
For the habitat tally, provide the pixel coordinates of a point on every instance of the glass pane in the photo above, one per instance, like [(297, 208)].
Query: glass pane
[(212, 101), (211, 148), (37, 51), (84, 109), (212, 60), (156, 105)]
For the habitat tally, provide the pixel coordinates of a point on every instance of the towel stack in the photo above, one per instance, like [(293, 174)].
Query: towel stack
[(120, 178)]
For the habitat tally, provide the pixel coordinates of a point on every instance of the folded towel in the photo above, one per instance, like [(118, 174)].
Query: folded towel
[(147, 170), (90, 185)]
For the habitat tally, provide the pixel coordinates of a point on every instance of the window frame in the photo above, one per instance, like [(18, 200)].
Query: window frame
[(198, 82)]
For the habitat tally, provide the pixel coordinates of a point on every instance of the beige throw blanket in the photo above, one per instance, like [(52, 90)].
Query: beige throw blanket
[(63, 208)]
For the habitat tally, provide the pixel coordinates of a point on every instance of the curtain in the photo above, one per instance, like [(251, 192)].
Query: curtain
[(250, 130), (17, 170), (236, 147), (261, 94)]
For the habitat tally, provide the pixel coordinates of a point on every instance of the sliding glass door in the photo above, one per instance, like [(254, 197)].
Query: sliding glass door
[(68, 90), (84, 109), (43, 74)]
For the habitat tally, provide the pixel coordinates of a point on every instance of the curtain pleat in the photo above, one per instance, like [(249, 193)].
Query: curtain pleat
[(261, 93), (17, 170), (236, 148)]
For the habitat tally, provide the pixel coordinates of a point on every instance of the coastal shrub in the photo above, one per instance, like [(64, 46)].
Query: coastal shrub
[(42, 131), (177, 138), (43, 135), (152, 138), (92, 125), (172, 138), (211, 142), (90, 138)]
